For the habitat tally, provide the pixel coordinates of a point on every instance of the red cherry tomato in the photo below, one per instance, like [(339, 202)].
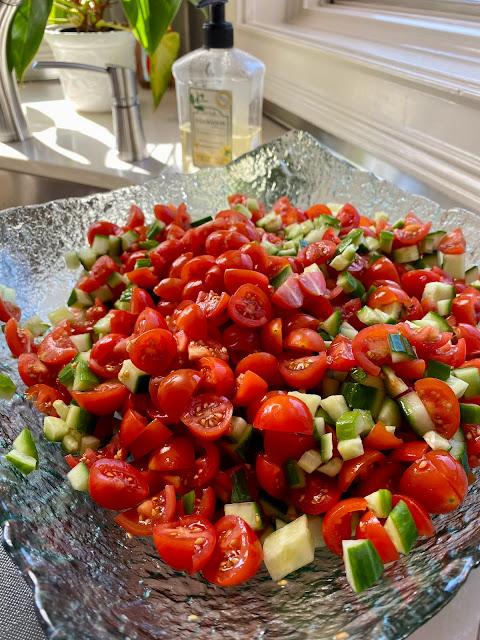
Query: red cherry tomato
[(214, 305), (317, 252), (158, 509), (304, 373), (272, 336), (235, 278), (102, 228), (370, 528), (187, 544), (442, 405), (381, 269), (371, 348), (340, 354), (337, 523), (153, 436), (263, 364), (206, 465), (289, 295), (107, 355), (304, 341), (318, 496), (379, 438), (249, 388), (114, 484), (453, 242), (177, 454), (409, 451), (153, 351), (18, 340), (43, 396), (56, 349), (9, 310), (122, 321), (288, 446), (284, 413), (217, 376), (240, 340), (386, 475), (106, 398), (411, 233), (133, 423), (237, 556), (437, 481), (414, 281), (348, 217), (270, 476), (249, 306), (136, 217), (422, 519), (32, 370), (149, 319), (208, 416), (357, 467), (175, 391)]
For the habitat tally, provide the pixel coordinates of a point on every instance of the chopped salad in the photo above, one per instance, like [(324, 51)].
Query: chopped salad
[(248, 387)]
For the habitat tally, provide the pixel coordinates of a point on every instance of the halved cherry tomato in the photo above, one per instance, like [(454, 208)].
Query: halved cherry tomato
[(148, 319), (208, 416), (410, 451), (284, 413), (122, 321), (204, 503), (381, 269), (471, 335), (151, 437), (32, 370), (414, 281), (102, 228), (240, 340), (177, 454), (153, 351), (235, 278), (453, 242), (56, 349), (370, 347), (175, 391), (237, 556), (214, 305), (187, 544), (312, 283), (304, 341), (357, 467), (43, 396), (370, 528), (289, 294), (18, 340), (203, 348), (317, 210), (318, 495), (249, 306), (217, 376), (272, 336), (422, 519), (106, 398), (385, 295), (249, 388), (472, 437), (412, 232), (289, 445), (379, 438), (192, 320), (107, 355), (386, 475), (410, 369), (206, 465), (437, 481), (169, 289), (9, 310), (136, 217), (133, 423), (317, 252), (114, 484), (442, 405), (270, 476), (337, 523), (304, 373), (262, 363), (158, 509), (340, 354)]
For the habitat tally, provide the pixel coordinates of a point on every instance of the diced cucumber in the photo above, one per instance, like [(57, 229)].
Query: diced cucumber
[(431, 260), (281, 277), (132, 377), (390, 413), (315, 235), (471, 275), (332, 324), (62, 313), (458, 386), (78, 419), (78, 477), (326, 447), (36, 326), (352, 448), (310, 460), (416, 414), (436, 291), (359, 375), (400, 348), (89, 442), (332, 467), (432, 319), (294, 474), (438, 370), (406, 254), (347, 330), (363, 565), (436, 442), (354, 423), (154, 229), (79, 299), (454, 265), (318, 428), (352, 239), (101, 244), (343, 260), (431, 242), (380, 502), (273, 508), (188, 501), (470, 413), (248, 511), (386, 241), (240, 491), (401, 528), (84, 380), (24, 443), (289, 548), (71, 260), (128, 239), (82, 341), (470, 375), (270, 220), (357, 395), (335, 406), (103, 325), (66, 375), (61, 408), (71, 442), (373, 316), (87, 257), (459, 449), (114, 246), (310, 399), (270, 248), (103, 293), (54, 429), (394, 385), (350, 284), (116, 279), (238, 429), (25, 464)]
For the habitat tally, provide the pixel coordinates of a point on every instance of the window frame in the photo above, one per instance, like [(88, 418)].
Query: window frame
[(454, 7)]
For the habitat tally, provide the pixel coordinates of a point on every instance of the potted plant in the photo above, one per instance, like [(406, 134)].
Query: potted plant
[(79, 31)]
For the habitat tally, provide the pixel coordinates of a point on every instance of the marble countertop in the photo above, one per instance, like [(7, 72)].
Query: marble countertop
[(80, 148)]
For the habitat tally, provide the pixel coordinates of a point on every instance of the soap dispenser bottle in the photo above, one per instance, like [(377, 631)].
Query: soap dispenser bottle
[(219, 96)]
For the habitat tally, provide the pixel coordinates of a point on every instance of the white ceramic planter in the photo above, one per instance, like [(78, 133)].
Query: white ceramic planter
[(90, 91)]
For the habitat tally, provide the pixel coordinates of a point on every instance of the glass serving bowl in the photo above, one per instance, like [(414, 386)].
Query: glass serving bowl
[(90, 579)]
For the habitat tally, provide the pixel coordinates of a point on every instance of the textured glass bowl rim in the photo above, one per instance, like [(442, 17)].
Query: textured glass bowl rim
[(470, 552)]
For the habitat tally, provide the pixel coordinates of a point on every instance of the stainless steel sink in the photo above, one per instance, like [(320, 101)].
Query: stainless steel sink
[(18, 189)]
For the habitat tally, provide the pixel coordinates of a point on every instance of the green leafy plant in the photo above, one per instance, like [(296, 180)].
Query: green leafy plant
[(148, 20)]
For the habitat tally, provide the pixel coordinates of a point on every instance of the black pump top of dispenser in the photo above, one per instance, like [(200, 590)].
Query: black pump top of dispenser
[(217, 32)]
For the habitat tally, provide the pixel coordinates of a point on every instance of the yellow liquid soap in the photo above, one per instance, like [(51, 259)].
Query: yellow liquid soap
[(245, 141)]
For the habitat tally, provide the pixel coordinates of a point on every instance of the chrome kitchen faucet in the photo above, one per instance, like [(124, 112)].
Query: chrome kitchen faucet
[(127, 120)]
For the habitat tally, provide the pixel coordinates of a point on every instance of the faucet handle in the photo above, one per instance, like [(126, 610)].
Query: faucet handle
[(124, 85)]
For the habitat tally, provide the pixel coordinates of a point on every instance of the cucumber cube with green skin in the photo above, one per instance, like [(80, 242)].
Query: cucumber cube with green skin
[(416, 414), (36, 326), (362, 564), (470, 413), (188, 500), (82, 341), (24, 463), (248, 511), (386, 241), (458, 386), (289, 548), (318, 428), (103, 325), (436, 442), (78, 477), (470, 375), (114, 246), (352, 448), (89, 442), (332, 467), (438, 370), (24, 443), (54, 429), (101, 244), (62, 313), (71, 442), (103, 293), (357, 422), (281, 277), (345, 428), (66, 375), (454, 265), (380, 502), (61, 408), (334, 406), (310, 460), (326, 447), (84, 379), (394, 385), (79, 299), (332, 324), (79, 420), (128, 239), (294, 474), (343, 260), (132, 377), (87, 257), (71, 260), (401, 528), (432, 319), (310, 399), (406, 254), (357, 395), (390, 413), (315, 526)]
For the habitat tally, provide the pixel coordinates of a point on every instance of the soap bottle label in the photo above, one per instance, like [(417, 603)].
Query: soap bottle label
[(211, 122)]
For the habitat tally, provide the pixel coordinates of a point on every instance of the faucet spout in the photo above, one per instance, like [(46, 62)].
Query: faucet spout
[(13, 126)]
